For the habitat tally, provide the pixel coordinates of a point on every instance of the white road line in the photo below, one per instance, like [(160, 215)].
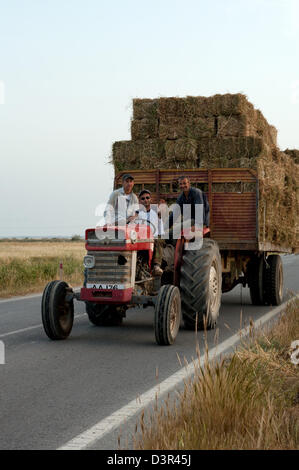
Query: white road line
[(20, 331), (118, 418), (32, 327)]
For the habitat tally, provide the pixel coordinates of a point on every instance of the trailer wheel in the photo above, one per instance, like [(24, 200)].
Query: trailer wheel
[(273, 280), (57, 312), (104, 315), (167, 314), (256, 281), (200, 285)]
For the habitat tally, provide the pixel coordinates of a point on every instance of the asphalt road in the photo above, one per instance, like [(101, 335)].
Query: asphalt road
[(51, 391)]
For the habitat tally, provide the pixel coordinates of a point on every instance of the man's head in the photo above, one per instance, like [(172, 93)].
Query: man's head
[(184, 183), (128, 183), (145, 198)]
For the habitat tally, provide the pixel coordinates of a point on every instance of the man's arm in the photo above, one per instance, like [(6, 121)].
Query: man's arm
[(109, 212), (133, 208), (173, 217), (206, 210)]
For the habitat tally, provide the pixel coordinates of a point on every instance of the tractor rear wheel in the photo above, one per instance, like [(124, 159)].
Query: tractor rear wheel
[(273, 280), (104, 315), (256, 280), (57, 312), (167, 314), (200, 286)]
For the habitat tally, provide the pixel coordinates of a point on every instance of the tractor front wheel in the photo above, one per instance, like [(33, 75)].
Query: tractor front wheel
[(57, 311), (167, 314)]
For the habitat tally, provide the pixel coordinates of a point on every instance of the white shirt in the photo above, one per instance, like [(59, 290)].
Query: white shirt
[(113, 213), (152, 217)]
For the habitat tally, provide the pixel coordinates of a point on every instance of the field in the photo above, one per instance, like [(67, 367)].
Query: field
[(26, 266), (248, 401)]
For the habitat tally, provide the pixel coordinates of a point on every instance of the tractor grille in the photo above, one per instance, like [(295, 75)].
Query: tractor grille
[(108, 270)]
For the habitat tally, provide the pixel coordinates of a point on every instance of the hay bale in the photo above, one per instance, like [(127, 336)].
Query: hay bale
[(133, 154), (181, 150), (278, 199), (144, 128), (225, 152), (264, 129), (236, 126), (201, 106), (145, 108), (172, 127), (251, 124), (231, 104), (293, 153)]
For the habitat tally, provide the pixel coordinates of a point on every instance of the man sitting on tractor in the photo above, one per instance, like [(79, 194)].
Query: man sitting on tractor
[(122, 204), (146, 212), (192, 197)]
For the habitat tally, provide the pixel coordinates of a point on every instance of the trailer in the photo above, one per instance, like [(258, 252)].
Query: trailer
[(236, 224)]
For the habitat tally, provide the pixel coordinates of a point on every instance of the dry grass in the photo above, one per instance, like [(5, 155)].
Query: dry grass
[(250, 401), (25, 267)]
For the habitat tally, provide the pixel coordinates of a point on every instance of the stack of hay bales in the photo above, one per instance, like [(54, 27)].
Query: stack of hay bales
[(216, 132)]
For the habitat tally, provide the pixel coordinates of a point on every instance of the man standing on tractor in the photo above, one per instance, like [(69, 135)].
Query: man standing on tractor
[(122, 204), (147, 213), (193, 197)]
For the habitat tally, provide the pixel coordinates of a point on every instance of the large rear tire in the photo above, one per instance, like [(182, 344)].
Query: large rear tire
[(167, 314), (200, 285), (256, 281), (57, 312), (104, 315), (273, 280)]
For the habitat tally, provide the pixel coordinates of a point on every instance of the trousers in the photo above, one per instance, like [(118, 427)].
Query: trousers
[(159, 244)]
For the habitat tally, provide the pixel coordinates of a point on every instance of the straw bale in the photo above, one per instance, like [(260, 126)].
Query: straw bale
[(230, 151), (181, 149), (144, 128), (264, 129), (145, 108), (133, 154), (279, 198), (252, 124), (294, 153), (236, 126), (201, 106), (172, 127), (230, 104)]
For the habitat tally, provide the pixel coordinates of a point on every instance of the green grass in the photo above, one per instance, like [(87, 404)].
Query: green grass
[(22, 275)]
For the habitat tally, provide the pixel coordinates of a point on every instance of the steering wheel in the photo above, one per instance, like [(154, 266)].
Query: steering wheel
[(140, 219)]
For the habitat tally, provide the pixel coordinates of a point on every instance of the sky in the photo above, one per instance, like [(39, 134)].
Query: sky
[(69, 70)]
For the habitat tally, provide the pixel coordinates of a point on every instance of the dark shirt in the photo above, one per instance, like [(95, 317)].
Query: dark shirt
[(195, 196)]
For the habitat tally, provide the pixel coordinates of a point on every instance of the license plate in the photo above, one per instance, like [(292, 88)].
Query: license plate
[(105, 286)]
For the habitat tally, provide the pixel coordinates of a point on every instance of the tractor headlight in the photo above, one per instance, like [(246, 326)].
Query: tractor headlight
[(133, 236), (89, 261)]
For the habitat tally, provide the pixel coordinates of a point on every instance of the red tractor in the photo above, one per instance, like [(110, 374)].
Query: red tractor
[(118, 276)]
